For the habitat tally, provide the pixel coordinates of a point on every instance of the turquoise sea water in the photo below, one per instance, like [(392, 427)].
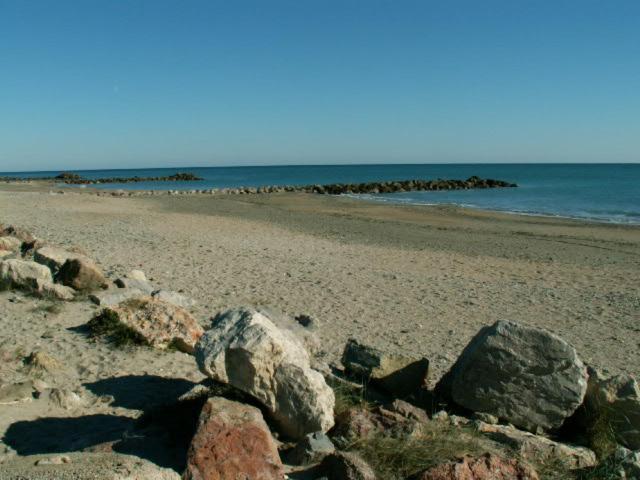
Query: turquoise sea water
[(601, 192)]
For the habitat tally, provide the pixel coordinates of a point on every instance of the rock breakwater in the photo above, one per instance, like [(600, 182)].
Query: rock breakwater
[(75, 179), (337, 188)]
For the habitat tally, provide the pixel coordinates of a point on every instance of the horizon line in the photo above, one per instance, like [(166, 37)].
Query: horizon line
[(287, 165)]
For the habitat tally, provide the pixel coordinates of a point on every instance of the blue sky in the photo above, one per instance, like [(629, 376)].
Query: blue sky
[(145, 83)]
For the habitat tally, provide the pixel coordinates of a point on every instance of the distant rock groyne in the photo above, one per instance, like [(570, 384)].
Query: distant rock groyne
[(75, 179), (392, 186), (340, 188)]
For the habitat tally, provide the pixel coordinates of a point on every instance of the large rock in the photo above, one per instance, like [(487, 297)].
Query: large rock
[(161, 324), (81, 274), (538, 448), (55, 257), (524, 375), (617, 401), (11, 244), (23, 275), (232, 441), (245, 349), (486, 467), (399, 375)]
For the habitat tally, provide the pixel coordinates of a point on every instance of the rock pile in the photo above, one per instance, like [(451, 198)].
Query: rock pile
[(522, 393)]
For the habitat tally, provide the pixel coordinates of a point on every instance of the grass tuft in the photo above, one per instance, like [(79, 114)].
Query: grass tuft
[(348, 396), (601, 434), (399, 458), (106, 324), (54, 308)]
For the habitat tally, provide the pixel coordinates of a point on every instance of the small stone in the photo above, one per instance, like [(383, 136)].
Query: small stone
[(458, 421), (346, 466), (137, 275), (111, 298), (440, 416), (306, 321), (175, 298), (54, 460), (311, 449), (135, 284), (486, 418)]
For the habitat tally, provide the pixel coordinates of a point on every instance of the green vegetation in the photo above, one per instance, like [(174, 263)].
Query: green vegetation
[(106, 324)]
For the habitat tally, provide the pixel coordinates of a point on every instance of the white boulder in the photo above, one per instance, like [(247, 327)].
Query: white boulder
[(247, 350)]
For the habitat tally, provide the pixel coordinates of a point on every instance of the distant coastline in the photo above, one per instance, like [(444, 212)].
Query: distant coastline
[(592, 192)]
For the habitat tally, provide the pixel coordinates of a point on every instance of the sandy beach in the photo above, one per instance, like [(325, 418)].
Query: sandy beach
[(419, 280)]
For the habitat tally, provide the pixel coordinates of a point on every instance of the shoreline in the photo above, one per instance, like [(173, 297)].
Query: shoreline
[(46, 187)]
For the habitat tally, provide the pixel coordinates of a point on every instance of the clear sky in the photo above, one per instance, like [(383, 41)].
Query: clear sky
[(145, 83)]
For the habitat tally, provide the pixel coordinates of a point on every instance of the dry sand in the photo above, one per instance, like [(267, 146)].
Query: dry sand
[(411, 280)]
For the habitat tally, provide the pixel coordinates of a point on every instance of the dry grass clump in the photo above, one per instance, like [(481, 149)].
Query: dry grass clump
[(107, 325), (50, 307), (600, 433), (348, 396), (400, 458)]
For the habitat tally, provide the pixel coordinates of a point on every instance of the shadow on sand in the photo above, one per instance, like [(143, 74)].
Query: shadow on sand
[(162, 433), (141, 392)]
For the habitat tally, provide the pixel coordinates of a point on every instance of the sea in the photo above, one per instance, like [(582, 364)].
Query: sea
[(595, 192)]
